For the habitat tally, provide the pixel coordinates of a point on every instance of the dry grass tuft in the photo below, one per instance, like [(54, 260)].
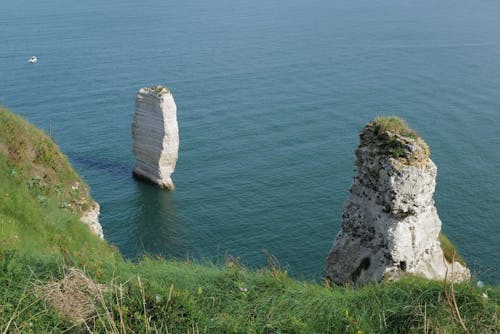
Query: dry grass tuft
[(74, 297)]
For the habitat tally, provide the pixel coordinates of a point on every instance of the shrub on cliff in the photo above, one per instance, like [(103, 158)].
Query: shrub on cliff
[(394, 124)]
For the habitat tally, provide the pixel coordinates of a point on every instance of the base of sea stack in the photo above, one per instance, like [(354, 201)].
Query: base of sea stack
[(163, 184)]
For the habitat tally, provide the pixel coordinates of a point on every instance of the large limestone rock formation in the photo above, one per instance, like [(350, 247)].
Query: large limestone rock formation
[(156, 135), (390, 225)]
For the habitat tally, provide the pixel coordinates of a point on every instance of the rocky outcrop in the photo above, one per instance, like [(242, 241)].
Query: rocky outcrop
[(91, 218), (82, 204), (390, 225), (155, 135)]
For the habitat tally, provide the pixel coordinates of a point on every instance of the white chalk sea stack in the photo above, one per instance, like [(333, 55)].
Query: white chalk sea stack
[(390, 226), (155, 135)]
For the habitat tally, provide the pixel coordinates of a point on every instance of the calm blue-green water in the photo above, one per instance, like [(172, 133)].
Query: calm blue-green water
[(271, 96)]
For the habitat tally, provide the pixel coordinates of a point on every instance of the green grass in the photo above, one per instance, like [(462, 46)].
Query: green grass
[(395, 125), (40, 242), (32, 157), (449, 250), (396, 139)]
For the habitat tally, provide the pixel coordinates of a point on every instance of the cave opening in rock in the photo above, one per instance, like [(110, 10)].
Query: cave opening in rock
[(402, 265)]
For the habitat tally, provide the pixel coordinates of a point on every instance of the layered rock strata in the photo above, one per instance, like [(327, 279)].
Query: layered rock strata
[(91, 218), (390, 225), (155, 135)]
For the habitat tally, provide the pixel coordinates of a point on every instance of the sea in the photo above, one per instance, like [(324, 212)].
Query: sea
[(271, 96)]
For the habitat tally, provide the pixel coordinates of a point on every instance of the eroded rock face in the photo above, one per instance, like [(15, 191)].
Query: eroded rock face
[(91, 218), (390, 225), (155, 135)]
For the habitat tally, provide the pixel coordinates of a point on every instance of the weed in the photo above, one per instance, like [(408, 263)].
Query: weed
[(395, 125), (449, 250)]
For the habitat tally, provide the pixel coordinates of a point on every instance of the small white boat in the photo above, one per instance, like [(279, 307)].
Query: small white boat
[(33, 59)]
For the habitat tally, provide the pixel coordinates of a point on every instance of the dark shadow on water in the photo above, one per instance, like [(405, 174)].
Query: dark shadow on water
[(100, 164)]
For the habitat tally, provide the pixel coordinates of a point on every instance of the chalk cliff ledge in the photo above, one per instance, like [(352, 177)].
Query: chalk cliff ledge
[(390, 225), (155, 135), (91, 218)]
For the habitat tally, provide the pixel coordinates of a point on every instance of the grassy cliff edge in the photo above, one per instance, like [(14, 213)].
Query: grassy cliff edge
[(58, 277)]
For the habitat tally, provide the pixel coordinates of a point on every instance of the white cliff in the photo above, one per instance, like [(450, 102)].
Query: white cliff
[(83, 205), (91, 218), (390, 225), (155, 135)]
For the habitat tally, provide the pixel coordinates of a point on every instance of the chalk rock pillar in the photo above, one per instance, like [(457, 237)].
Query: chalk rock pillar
[(390, 225), (155, 135)]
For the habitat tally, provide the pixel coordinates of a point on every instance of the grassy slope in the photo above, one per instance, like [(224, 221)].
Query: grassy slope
[(41, 238)]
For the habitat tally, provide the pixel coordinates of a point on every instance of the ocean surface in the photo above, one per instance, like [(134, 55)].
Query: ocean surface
[(271, 96)]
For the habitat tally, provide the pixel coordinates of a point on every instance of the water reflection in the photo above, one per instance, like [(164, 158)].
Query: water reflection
[(159, 229)]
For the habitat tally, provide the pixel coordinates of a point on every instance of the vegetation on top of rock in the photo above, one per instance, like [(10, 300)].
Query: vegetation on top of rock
[(393, 124), (159, 90), (395, 138)]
